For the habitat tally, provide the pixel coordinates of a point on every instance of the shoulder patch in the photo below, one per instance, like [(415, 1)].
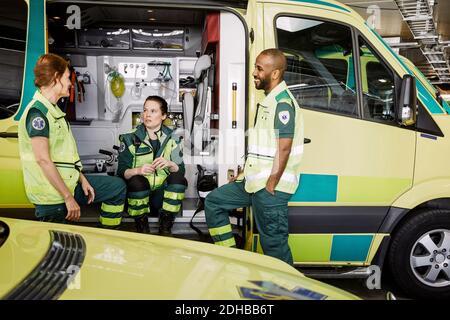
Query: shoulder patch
[(126, 138), (122, 146), (40, 106), (38, 123), (284, 117), (283, 95)]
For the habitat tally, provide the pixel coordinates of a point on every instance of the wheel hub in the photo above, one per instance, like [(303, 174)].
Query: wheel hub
[(440, 258), (430, 258)]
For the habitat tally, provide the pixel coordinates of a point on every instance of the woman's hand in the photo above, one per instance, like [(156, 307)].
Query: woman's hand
[(161, 163), (88, 190), (146, 169), (73, 209)]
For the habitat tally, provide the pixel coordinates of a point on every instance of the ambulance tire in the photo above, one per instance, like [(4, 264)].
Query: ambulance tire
[(412, 280)]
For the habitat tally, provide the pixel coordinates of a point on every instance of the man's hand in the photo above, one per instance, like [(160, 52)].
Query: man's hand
[(270, 186), (279, 163)]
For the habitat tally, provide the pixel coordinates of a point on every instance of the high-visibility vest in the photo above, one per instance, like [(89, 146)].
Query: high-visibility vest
[(62, 149), (262, 144), (143, 153)]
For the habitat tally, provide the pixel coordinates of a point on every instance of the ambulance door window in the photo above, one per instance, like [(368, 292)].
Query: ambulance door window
[(13, 32), (378, 86), (320, 70)]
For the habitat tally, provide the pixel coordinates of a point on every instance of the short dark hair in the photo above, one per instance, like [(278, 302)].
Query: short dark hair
[(162, 103), (278, 58)]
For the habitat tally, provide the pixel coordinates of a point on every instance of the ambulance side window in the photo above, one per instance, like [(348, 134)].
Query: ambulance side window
[(320, 70), (378, 86), (13, 31)]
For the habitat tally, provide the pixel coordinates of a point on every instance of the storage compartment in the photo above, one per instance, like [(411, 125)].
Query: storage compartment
[(190, 57)]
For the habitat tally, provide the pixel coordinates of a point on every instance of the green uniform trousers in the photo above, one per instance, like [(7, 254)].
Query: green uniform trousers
[(168, 198), (110, 191), (270, 212)]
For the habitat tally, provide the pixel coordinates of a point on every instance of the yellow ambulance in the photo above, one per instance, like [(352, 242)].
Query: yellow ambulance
[(44, 261), (374, 188)]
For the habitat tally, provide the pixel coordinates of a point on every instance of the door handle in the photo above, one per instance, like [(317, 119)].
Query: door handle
[(9, 135), (306, 140)]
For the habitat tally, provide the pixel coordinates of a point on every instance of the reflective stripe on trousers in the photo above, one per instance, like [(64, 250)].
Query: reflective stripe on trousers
[(173, 197), (111, 215)]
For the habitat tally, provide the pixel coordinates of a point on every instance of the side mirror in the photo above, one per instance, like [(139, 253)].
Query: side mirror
[(407, 106)]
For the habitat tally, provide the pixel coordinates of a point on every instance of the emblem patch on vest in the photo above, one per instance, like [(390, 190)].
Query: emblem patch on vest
[(284, 117), (38, 123)]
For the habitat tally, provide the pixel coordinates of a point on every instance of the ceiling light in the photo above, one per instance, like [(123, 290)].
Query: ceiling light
[(57, 18), (152, 19)]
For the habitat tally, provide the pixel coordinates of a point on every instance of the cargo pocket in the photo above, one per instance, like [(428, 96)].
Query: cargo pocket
[(275, 214), (57, 131), (51, 213), (271, 220), (70, 177)]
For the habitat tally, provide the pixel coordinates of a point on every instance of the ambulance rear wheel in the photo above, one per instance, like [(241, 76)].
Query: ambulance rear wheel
[(419, 256)]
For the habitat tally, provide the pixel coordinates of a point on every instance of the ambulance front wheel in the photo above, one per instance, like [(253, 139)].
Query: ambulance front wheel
[(419, 255)]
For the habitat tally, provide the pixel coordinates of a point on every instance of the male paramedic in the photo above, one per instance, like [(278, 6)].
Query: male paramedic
[(271, 172)]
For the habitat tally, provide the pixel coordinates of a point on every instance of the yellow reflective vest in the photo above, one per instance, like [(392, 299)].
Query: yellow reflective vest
[(142, 152), (263, 144), (63, 153)]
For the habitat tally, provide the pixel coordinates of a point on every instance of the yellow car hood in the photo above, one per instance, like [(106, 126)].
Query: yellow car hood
[(125, 265)]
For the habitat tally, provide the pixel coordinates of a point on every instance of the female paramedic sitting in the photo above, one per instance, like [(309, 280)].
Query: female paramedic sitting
[(51, 165), (151, 161)]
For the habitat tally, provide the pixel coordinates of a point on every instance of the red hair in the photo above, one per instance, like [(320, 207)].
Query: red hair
[(49, 68)]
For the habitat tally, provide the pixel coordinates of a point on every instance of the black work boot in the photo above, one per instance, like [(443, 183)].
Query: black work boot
[(102, 226), (165, 223), (142, 224)]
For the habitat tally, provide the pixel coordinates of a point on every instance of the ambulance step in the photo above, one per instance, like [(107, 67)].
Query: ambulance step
[(336, 273)]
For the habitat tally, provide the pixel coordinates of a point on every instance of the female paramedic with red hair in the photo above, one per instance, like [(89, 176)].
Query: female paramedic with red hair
[(51, 166)]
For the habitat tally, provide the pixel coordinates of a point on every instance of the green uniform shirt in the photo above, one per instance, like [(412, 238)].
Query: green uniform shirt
[(284, 123), (36, 124), (155, 145)]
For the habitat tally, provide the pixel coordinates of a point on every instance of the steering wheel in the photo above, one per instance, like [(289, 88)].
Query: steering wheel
[(347, 102), (315, 94), (8, 110)]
